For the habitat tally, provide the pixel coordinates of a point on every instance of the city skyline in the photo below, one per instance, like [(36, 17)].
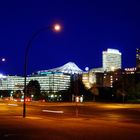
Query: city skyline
[(88, 28), (111, 60)]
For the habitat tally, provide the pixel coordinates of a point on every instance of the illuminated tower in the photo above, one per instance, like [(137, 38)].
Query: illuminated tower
[(137, 58), (111, 59)]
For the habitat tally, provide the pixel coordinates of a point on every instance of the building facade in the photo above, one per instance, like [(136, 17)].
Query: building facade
[(88, 79), (111, 60), (52, 80)]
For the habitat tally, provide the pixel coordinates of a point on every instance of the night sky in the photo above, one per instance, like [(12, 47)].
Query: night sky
[(89, 27)]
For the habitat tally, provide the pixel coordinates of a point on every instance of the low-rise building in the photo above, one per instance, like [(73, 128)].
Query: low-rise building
[(52, 80)]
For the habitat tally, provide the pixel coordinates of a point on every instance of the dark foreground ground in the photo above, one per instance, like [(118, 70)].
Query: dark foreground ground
[(34, 128), (37, 127)]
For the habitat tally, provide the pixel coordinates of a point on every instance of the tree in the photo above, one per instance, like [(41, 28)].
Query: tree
[(77, 88), (126, 87), (33, 88), (94, 90), (134, 92)]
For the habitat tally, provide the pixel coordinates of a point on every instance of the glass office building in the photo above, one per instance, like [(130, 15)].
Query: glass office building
[(50, 82), (53, 80)]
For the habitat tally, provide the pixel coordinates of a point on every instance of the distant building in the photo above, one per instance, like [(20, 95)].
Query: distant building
[(101, 79), (129, 70), (93, 77), (138, 59), (97, 70), (88, 79), (52, 80), (111, 60), (108, 73), (110, 77)]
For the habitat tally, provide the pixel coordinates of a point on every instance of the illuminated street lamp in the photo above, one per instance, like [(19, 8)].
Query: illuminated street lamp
[(56, 28), (3, 59)]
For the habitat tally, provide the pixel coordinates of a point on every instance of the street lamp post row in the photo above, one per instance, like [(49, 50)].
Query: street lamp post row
[(56, 27)]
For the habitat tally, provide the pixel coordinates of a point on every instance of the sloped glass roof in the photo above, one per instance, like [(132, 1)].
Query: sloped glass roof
[(68, 68)]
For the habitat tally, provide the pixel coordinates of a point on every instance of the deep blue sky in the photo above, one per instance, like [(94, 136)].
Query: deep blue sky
[(89, 27)]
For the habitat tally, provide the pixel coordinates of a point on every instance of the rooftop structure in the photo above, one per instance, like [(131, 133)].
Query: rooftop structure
[(69, 68)]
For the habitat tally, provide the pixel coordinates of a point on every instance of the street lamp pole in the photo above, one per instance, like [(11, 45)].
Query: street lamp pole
[(56, 27), (76, 78)]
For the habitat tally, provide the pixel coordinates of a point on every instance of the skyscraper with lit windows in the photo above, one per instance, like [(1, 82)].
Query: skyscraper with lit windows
[(111, 59)]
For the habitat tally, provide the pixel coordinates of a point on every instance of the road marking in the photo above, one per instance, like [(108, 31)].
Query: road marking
[(34, 118), (52, 111), (13, 104)]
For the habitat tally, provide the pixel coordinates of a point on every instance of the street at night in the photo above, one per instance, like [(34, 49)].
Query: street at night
[(70, 70), (60, 121)]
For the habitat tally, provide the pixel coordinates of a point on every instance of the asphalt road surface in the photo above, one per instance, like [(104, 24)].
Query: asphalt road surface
[(69, 121)]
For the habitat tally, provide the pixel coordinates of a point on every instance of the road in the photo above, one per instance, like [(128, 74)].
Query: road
[(60, 121), (104, 111)]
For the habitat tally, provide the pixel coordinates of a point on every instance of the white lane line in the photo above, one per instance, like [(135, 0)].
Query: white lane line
[(52, 111), (13, 104), (34, 118)]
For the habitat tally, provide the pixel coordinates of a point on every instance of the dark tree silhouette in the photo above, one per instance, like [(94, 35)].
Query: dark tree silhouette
[(77, 88), (33, 88), (127, 87), (94, 90)]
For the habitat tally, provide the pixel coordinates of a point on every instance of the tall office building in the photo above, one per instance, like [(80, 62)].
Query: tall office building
[(111, 60), (137, 58)]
